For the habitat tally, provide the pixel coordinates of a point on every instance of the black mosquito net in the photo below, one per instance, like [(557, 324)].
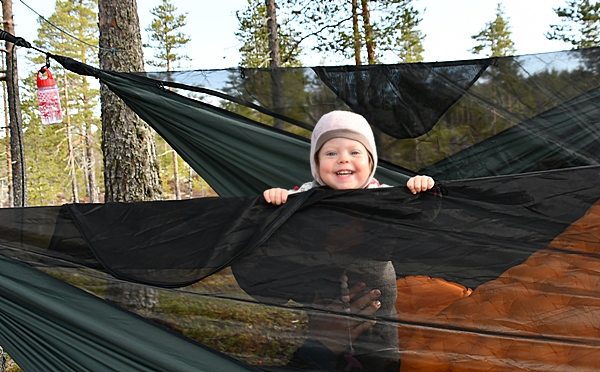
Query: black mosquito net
[(493, 269)]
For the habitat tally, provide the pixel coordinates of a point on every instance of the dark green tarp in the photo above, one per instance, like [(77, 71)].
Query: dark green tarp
[(501, 116), (49, 325)]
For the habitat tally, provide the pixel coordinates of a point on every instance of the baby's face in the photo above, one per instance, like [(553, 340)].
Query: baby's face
[(344, 164)]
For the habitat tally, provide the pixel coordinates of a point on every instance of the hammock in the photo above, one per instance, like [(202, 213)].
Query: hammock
[(498, 260)]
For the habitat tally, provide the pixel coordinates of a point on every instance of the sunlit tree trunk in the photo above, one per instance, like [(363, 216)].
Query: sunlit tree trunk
[(90, 159), (7, 132), (369, 42), (356, 33), (71, 155), (275, 61), (130, 164), (17, 154)]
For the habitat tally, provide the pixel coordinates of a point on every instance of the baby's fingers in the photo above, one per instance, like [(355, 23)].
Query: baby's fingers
[(418, 184), (275, 196)]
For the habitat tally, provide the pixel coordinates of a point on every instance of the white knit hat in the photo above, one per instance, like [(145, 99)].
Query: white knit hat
[(341, 124)]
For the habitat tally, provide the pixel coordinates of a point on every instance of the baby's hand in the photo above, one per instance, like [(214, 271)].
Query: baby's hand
[(418, 184), (276, 196)]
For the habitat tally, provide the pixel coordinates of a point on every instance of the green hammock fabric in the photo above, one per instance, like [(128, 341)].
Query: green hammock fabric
[(561, 137), (49, 325), (218, 143)]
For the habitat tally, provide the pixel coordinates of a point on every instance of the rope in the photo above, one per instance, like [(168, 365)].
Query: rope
[(113, 51)]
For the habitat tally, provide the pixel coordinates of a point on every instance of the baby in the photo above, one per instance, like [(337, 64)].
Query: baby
[(343, 157)]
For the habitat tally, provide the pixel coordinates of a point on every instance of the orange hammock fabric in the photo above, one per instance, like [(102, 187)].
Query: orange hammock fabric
[(541, 315)]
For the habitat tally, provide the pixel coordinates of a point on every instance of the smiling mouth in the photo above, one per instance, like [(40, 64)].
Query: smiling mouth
[(344, 173)]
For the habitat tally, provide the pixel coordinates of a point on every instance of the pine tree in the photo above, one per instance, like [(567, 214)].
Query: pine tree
[(409, 44), (165, 39), (348, 28), (130, 165), (580, 24), (257, 51), (73, 32), (254, 35), (19, 183), (6, 199), (47, 153), (494, 38)]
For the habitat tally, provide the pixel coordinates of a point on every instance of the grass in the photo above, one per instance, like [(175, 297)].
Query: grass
[(254, 333), (217, 313), (10, 365)]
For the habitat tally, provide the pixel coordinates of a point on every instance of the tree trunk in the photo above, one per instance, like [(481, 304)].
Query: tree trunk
[(90, 161), (71, 160), (176, 176), (275, 62), (8, 158), (273, 35), (370, 43), (19, 185), (356, 33), (130, 165), (191, 181)]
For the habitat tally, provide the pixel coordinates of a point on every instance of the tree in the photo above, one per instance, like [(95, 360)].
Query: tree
[(130, 165), (410, 45), (266, 43), (348, 28), (274, 61), (76, 37), (495, 37), (6, 142), (253, 32), (46, 153), (580, 21), (165, 39), (14, 107), (164, 35)]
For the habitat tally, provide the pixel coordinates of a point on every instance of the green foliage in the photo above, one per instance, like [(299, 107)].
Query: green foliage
[(11, 366), (166, 170), (165, 37), (580, 24), (46, 151), (495, 37), (253, 34), (409, 46), (78, 18), (499, 100), (300, 92), (393, 23)]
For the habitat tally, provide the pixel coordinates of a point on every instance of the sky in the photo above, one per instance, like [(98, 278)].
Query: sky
[(447, 24)]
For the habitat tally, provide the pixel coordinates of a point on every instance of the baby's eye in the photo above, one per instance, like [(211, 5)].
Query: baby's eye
[(355, 152), (330, 153)]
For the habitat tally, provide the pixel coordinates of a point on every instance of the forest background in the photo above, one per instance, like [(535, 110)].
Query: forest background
[(64, 162)]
